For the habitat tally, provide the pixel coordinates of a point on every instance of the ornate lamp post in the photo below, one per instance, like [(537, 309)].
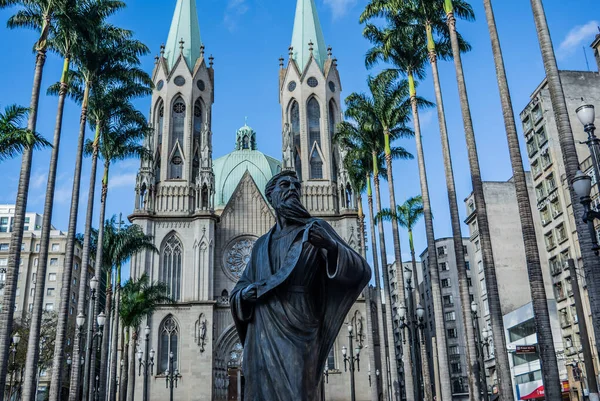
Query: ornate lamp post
[(586, 115), (148, 364), (13, 350), (172, 376), (480, 358), (350, 360), (90, 337)]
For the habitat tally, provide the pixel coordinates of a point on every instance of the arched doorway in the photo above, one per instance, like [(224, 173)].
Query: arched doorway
[(235, 388), (228, 375)]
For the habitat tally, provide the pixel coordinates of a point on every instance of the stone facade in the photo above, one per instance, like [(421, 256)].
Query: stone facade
[(204, 224)]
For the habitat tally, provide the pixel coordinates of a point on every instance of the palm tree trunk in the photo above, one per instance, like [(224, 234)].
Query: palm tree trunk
[(85, 258), (427, 394), (383, 339), (457, 238), (115, 338), (388, 326), (78, 350), (124, 377), (106, 338), (369, 304), (16, 239), (59, 345), (591, 263), (407, 350), (31, 363), (432, 265), (527, 225), (131, 376)]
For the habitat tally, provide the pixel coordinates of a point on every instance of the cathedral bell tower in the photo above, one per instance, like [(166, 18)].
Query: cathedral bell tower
[(179, 179), (309, 94)]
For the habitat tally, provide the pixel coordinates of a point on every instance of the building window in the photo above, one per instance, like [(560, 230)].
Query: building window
[(537, 113), (54, 262), (37, 247), (52, 277), (564, 259), (452, 333), (168, 334), (467, 265), (561, 233), (546, 159), (50, 292), (540, 192), (172, 258), (455, 367), (316, 165), (314, 122), (331, 359), (521, 330), (521, 359), (550, 242), (569, 286), (469, 282), (559, 291), (536, 168), (531, 145), (445, 283), (443, 266), (450, 316), (482, 286), (49, 307), (545, 215), (55, 247), (480, 266), (3, 262), (555, 207), (448, 300), (574, 314), (453, 350), (441, 250), (3, 224), (550, 183), (527, 125), (477, 245), (4, 246), (176, 143), (471, 206), (541, 136), (76, 267), (528, 377), (295, 125), (555, 266)]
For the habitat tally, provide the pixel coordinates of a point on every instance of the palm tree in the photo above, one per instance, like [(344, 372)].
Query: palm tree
[(359, 159), (385, 114), (406, 216), (13, 137), (111, 55), (428, 18), (358, 173), (406, 49), (591, 263), (39, 16), (139, 298), (119, 140)]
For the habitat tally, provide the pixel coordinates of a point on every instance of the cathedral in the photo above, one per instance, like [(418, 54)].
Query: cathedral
[(205, 214)]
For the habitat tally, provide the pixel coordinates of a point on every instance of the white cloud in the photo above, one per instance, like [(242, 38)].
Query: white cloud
[(235, 9), (339, 7), (576, 37), (426, 118), (122, 180), (38, 180)]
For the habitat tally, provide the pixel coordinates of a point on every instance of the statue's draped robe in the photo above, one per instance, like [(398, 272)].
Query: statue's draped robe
[(304, 295)]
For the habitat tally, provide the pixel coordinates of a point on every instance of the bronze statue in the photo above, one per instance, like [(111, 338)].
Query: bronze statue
[(292, 299)]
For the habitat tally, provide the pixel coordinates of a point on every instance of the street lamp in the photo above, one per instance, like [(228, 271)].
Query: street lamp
[(89, 340), (146, 363), (479, 347), (13, 349), (582, 185), (172, 376), (351, 360)]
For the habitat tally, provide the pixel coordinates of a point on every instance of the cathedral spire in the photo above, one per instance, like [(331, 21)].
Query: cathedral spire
[(184, 28), (307, 29)]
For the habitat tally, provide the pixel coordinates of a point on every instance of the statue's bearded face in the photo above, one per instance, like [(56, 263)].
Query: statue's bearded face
[(285, 198)]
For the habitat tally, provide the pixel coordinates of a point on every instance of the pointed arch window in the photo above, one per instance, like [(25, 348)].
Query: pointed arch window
[(172, 259), (176, 143), (316, 165), (168, 335), (204, 197), (314, 122), (295, 123), (159, 124), (197, 123), (332, 119)]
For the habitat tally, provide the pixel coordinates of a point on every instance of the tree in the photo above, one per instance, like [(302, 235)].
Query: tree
[(13, 137), (591, 263), (405, 48), (39, 16), (139, 299), (385, 114), (407, 215)]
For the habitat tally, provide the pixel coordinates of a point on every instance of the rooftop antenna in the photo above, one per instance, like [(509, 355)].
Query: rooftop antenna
[(586, 58)]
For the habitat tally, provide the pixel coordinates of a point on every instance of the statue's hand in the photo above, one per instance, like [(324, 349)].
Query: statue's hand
[(249, 293), (320, 238)]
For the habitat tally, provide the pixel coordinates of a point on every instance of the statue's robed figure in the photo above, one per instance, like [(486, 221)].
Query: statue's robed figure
[(293, 298)]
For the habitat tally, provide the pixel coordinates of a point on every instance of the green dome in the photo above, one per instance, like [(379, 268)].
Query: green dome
[(230, 169)]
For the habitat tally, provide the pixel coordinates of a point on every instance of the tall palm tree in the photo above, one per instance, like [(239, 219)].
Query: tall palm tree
[(428, 18), (13, 137), (39, 16), (357, 173), (407, 215), (120, 244), (359, 159), (406, 49), (119, 140), (63, 39), (385, 112), (139, 298), (591, 263)]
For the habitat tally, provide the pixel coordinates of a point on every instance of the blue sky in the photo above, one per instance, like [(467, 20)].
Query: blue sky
[(247, 37)]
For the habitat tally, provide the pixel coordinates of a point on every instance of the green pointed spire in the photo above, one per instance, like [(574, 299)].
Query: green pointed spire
[(307, 28), (184, 27)]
